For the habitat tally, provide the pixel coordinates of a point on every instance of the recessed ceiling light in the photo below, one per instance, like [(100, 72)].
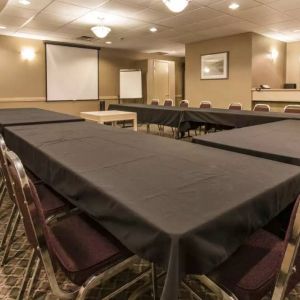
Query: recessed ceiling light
[(234, 6), (108, 42), (2, 27), (153, 29), (25, 2), (297, 30)]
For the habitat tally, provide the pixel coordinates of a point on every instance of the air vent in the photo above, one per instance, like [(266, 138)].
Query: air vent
[(86, 38)]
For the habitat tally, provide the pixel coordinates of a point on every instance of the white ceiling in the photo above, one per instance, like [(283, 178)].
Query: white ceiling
[(130, 20)]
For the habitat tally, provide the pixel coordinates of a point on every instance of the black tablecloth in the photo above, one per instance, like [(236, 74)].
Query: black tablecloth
[(153, 114), (184, 206), (277, 141), (29, 116), (188, 118)]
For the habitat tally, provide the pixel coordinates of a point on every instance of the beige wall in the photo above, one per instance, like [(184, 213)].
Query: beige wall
[(22, 83), (264, 69), (293, 63), (221, 92)]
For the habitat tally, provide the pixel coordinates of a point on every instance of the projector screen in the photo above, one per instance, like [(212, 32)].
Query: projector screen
[(131, 84), (72, 73)]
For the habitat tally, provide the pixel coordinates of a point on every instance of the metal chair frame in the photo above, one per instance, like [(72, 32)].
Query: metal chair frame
[(291, 106), (286, 270), (40, 255), (268, 107), (14, 218)]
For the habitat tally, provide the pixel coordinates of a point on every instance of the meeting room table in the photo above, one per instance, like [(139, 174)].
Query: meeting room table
[(30, 116), (183, 206), (277, 141), (185, 119)]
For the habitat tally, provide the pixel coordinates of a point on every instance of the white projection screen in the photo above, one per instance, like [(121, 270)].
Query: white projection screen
[(72, 73)]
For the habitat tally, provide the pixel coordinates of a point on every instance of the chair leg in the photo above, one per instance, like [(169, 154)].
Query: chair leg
[(154, 281), (2, 194), (36, 272), (26, 275), (8, 226), (10, 239)]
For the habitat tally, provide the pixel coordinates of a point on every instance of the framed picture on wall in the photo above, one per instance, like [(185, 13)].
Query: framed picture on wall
[(215, 66)]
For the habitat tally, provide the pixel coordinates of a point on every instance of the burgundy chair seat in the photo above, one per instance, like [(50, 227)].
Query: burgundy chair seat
[(51, 202), (80, 245), (251, 272)]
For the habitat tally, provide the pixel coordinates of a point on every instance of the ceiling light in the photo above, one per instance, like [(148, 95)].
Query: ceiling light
[(297, 30), (176, 6), (28, 53), (2, 27), (101, 31), (153, 29), (108, 42), (234, 6), (25, 2)]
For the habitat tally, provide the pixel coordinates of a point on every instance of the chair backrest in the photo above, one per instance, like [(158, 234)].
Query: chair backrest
[(205, 104), (184, 103), (284, 284), (155, 102), (33, 218), (168, 102), (262, 107), (292, 109), (235, 106), (4, 169)]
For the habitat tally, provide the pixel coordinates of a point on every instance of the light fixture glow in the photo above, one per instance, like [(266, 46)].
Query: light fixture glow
[(101, 31), (108, 42), (274, 54), (153, 29), (28, 54), (2, 27), (234, 6), (176, 6), (25, 2)]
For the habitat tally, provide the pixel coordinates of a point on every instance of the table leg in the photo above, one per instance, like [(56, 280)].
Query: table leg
[(135, 127)]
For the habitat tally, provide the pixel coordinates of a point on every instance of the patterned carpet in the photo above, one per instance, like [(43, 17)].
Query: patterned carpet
[(11, 274)]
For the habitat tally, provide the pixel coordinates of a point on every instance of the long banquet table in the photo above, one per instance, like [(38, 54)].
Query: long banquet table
[(277, 141), (183, 206), (30, 116), (187, 118)]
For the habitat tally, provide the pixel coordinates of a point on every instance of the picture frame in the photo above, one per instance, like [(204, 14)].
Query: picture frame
[(215, 66)]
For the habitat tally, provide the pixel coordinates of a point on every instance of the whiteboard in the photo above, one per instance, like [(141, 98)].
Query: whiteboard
[(72, 73), (131, 84)]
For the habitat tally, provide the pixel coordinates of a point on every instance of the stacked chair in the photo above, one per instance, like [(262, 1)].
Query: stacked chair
[(292, 109), (264, 261), (262, 107), (62, 236)]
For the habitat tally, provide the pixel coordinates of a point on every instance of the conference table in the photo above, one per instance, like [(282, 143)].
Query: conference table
[(185, 119), (29, 116), (182, 206), (278, 141)]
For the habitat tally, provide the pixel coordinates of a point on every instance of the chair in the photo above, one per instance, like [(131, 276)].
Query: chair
[(205, 104), (292, 109), (168, 102), (235, 106), (263, 262), (262, 107), (155, 102), (68, 239), (51, 202), (184, 103)]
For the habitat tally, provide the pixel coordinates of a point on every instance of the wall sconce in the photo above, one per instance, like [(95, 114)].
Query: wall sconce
[(28, 54), (274, 55)]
